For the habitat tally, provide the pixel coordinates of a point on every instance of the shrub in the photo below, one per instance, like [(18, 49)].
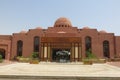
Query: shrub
[(0, 57), (92, 58), (35, 58), (1, 60), (90, 55), (35, 55)]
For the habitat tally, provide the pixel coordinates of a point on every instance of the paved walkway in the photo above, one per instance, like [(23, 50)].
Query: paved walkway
[(114, 63), (60, 69), (6, 62)]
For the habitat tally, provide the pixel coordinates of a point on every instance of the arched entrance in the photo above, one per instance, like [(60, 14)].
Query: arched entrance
[(61, 55), (2, 52)]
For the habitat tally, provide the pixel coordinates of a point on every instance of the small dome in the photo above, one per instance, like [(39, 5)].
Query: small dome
[(38, 28), (62, 22), (102, 31), (86, 27), (23, 31)]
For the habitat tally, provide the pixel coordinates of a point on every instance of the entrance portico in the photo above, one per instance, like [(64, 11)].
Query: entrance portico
[(50, 46)]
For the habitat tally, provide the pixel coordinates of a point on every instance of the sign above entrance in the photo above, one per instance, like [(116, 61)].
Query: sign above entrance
[(61, 39)]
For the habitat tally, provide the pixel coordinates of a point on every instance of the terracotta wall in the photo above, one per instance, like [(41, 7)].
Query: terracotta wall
[(5, 43), (28, 40), (117, 46)]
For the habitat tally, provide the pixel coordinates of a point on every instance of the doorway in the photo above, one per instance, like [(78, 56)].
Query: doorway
[(2, 53), (60, 55)]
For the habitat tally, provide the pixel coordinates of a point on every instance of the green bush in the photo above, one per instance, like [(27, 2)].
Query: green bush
[(34, 58), (92, 58), (1, 60), (0, 57), (90, 55), (35, 55)]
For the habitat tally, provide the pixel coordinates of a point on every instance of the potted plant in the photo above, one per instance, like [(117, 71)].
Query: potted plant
[(87, 61), (90, 58), (35, 58)]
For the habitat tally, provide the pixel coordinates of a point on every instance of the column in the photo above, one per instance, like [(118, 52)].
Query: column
[(49, 52), (76, 51), (45, 52), (72, 52), (42, 51), (80, 52)]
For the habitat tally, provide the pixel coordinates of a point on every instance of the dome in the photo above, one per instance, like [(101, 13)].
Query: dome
[(86, 27), (102, 31), (62, 22), (23, 31), (38, 28)]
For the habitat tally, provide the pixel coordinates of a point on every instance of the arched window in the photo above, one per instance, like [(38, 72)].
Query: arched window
[(88, 44), (36, 44), (19, 47), (106, 52)]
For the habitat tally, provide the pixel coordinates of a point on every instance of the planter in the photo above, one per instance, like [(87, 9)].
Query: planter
[(102, 60), (34, 61), (24, 60), (1, 60), (98, 60), (87, 62)]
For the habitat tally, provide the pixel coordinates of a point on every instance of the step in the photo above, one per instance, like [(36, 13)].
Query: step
[(17, 77)]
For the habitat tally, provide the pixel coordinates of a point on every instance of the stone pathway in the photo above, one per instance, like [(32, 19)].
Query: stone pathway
[(60, 69), (114, 63), (6, 62)]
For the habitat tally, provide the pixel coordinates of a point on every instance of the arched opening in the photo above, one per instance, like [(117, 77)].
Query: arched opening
[(61, 55), (106, 51), (19, 47), (2, 53), (87, 44), (36, 44)]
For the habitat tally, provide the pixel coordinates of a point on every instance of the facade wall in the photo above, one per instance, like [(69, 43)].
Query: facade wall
[(28, 40), (5, 44), (117, 46), (61, 29)]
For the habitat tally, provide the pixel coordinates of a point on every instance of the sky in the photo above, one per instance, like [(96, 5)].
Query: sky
[(17, 15)]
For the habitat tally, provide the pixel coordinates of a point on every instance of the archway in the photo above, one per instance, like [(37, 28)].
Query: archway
[(61, 55), (2, 52)]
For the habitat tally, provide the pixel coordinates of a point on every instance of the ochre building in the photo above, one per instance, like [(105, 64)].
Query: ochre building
[(61, 37)]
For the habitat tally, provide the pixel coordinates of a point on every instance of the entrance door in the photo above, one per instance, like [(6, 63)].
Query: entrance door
[(2, 53), (61, 55)]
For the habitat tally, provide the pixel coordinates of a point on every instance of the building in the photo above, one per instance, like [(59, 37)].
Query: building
[(60, 38)]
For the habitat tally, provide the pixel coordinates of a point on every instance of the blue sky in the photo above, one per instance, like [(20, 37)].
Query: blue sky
[(17, 15)]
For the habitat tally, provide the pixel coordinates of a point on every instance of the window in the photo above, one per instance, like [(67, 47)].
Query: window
[(106, 49), (19, 47), (36, 44), (88, 44)]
